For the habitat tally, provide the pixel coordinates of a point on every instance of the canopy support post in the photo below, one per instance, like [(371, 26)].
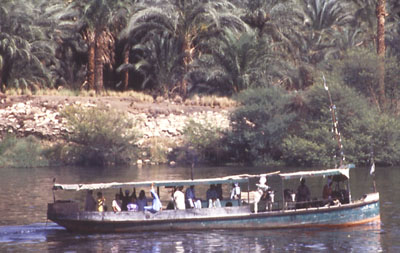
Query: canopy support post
[(348, 189), (283, 196), (54, 195), (248, 191)]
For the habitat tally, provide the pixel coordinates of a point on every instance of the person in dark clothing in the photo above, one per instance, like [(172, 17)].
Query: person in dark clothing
[(219, 191), (126, 199), (141, 201), (303, 194)]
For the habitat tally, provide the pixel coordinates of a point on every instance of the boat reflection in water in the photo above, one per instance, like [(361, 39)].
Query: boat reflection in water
[(242, 213), (363, 238)]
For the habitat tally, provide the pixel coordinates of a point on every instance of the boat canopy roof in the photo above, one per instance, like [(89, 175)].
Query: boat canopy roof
[(243, 178), (343, 170)]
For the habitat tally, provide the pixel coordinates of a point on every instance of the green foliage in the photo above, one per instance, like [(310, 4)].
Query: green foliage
[(363, 130), (161, 63), (21, 152), (27, 54), (385, 139), (173, 35), (304, 151), (239, 60), (260, 124), (205, 137), (99, 136), (322, 14), (358, 69), (157, 149)]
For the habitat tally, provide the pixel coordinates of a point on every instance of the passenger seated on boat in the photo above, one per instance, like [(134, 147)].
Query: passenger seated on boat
[(132, 207), (116, 204), (191, 200), (101, 202), (289, 195), (90, 202), (171, 204), (303, 194), (126, 199), (141, 202), (179, 199), (290, 198), (262, 192), (212, 197), (235, 193), (342, 195), (156, 203)]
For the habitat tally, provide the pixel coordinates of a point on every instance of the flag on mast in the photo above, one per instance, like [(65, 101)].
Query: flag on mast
[(372, 171)]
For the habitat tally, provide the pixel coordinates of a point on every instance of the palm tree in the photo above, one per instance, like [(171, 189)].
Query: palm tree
[(312, 38), (92, 19), (192, 22), (236, 62), (26, 51), (159, 61)]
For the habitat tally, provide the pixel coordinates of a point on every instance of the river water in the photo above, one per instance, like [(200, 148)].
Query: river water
[(24, 194)]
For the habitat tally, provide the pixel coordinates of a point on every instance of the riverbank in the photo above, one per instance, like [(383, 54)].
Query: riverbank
[(163, 119)]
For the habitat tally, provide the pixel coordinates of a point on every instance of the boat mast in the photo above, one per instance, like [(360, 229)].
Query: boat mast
[(335, 130)]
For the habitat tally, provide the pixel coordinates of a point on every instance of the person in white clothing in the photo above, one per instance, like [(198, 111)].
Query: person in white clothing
[(262, 189), (235, 194), (191, 200), (116, 204), (179, 198)]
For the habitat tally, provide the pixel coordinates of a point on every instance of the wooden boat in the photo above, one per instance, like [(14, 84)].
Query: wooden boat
[(241, 215)]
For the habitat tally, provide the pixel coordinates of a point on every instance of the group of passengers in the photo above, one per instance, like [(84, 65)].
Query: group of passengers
[(188, 199), (180, 200), (123, 202), (302, 197), (95, 205)]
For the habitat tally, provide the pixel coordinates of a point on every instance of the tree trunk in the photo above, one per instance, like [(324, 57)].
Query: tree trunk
[(91, 53), (98, 61), (187, 60), (381, 14), (5, 72), (126, 73)]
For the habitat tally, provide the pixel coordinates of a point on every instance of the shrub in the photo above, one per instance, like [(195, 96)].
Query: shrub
[(384, 137), (21, 152), (260, 124), (158, 149), (205, 138), (99, 136), (362, 128), (359, 70)]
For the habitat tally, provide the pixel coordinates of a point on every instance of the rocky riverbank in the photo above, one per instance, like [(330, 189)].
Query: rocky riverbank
[(40, 115)]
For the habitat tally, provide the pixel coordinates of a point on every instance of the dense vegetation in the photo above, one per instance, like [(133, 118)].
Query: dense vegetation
[(269, 54), (99, 136)]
